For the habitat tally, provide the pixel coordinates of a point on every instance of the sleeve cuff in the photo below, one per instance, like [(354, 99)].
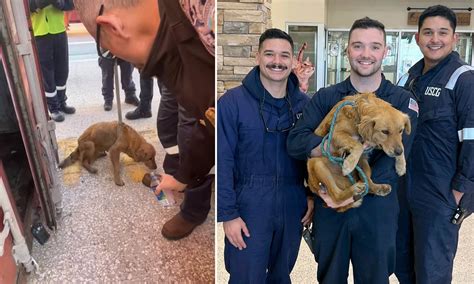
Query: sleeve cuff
[(227, 216), (313, 143), (462, 184)]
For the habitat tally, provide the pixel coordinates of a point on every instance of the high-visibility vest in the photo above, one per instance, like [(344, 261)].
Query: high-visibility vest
[(48, 20)]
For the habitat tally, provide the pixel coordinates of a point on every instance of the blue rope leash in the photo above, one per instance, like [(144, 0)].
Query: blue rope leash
[(326, 146)]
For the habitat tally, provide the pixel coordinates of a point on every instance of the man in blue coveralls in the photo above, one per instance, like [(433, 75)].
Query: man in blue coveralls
[(261, 197), (364, 235), (440, 170)]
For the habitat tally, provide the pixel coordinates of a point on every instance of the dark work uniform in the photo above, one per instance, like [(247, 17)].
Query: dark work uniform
[(126, 70), (146, 93), (52, 45), (258, 181), (441, 160), (364, 235), (186, 69)]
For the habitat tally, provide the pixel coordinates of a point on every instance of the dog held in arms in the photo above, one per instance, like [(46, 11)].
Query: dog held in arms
[(371, 123), (114, 138)]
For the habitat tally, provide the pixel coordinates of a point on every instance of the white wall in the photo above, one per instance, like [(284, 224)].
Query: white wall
[(393, 14), (301, 11), (342, 13)]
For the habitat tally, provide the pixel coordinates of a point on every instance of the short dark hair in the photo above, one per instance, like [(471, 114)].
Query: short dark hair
[(441, 11), (367, 23), (272, 34)]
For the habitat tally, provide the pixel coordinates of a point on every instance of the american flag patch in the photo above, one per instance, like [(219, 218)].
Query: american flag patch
[(413, 105)]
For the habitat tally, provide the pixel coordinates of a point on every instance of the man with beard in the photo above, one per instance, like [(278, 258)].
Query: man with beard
[(440, 171), (365, 235), (160, 37), (261, 197)]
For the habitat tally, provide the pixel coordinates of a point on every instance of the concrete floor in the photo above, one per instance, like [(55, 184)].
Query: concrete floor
[(305, 267), (107, 233)]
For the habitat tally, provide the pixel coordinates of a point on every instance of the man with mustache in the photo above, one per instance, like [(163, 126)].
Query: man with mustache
[(261, 197), (173, 41), (440, 170), (364, 235)]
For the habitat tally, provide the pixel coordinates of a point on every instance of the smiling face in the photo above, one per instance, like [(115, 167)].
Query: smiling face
[(365, 51), (436, 40), (275, 58)]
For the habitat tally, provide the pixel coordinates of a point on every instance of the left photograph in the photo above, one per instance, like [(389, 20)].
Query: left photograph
[(107, 130)]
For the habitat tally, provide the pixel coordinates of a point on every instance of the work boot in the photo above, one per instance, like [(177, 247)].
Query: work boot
[(57, 116), (178, 227), (67, 109), (108, 105), (137, 113), (132, 100)]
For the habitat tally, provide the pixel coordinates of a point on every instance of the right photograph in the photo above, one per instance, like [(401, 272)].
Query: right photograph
[(345, 135)]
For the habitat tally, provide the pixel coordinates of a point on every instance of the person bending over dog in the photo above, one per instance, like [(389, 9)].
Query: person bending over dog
[(261, 197), (160, 37), (365, 235)]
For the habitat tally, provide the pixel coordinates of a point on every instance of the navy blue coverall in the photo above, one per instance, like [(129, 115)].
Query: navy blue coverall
[(364, 235), (258, 181), (442, 159)]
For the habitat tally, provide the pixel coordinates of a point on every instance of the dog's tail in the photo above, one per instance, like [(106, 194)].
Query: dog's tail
[(73, 157)]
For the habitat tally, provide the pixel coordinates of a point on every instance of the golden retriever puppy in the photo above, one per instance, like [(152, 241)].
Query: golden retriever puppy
[(114, 138), (371, 123)]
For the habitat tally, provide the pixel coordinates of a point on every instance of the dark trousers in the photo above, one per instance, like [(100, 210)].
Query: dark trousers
[(126, 70), (53, 58), (146, 93), (273, 216), (174, 124), (426, 241), (364, 236)]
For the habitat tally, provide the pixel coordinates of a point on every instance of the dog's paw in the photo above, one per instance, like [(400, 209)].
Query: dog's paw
[(400, 167), (349, 165), (119, 182), (91, 169), (357, 203), (358, 189), (382, 189)]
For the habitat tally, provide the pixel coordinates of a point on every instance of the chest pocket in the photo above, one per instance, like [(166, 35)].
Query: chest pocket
[(439, 124)]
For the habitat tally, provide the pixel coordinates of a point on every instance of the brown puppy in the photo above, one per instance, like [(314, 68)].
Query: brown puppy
[(372, 122), (115, 139)]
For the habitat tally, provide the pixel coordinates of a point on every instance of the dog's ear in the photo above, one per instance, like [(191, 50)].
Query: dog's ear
[(366, 127), (141, 155), (407, 123), (350, 112)]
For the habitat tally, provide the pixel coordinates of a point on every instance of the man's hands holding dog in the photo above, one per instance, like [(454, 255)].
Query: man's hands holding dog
[(233, 231), (331, 203)]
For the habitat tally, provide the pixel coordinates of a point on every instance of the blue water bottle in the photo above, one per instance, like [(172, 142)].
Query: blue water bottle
[(161, 197)]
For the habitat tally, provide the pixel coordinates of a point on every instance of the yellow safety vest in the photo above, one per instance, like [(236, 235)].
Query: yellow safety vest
[(48, 20)]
